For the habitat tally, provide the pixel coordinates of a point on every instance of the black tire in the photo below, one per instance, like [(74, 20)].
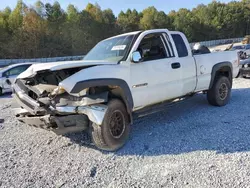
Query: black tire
[(244, 76), (115, 129), (1, 91), (220, 93)]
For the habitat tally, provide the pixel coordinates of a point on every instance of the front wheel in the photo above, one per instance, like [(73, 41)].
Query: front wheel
[(220, 93), (114, 131)]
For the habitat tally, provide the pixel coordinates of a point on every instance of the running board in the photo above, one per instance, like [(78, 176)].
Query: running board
[(159, 107)]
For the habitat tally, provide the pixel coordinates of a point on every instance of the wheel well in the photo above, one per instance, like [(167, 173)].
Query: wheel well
[(222, 71), (115, 92)]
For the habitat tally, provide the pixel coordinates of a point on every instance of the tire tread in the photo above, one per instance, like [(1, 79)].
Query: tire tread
[(212, 93), (97, 131)]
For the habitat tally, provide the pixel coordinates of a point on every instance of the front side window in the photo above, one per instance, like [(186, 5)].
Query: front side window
[(114, 49), (152, 47), (180, 45)]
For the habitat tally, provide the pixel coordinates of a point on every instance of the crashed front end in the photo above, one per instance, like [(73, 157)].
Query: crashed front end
[(43, 103)]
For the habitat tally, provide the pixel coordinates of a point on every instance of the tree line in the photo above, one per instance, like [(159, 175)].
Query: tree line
[(46, 30)]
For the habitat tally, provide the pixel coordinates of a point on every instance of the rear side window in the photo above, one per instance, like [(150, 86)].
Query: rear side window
[(180, 45)]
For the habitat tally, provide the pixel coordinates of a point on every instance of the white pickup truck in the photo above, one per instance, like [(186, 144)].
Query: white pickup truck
[(123, 77)]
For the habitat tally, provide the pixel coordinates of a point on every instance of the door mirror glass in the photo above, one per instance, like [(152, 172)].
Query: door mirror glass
[(136, 57)]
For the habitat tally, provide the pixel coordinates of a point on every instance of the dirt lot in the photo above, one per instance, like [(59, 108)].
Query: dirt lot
[(189, 145)]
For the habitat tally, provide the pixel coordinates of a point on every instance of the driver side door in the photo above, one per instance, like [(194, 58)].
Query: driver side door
[(158, 76)]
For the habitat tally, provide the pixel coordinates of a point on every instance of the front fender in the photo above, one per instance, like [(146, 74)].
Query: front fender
[(96, 72), (105, 75), (79, 86)]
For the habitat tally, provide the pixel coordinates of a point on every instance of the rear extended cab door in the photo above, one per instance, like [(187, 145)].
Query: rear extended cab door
[(185, 58)]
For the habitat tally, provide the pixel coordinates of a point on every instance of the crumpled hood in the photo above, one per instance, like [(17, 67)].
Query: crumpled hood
[(54, 66)]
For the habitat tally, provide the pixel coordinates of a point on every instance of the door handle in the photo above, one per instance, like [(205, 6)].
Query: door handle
[(176, 65), (8, 82)]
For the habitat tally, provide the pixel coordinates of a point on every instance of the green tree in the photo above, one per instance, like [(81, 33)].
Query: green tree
[(40, 9), (47, 30), (34, 32), (152, 19), (16, 16), (128, 21), (55, 43), (5, 36)]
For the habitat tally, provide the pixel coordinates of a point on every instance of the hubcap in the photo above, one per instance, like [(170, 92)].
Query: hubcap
[(223, 91), (117, 124)]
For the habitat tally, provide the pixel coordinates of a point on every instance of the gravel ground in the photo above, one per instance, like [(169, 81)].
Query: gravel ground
[(189, 145)]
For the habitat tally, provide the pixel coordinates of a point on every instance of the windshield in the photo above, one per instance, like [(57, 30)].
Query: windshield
[(113, 49)]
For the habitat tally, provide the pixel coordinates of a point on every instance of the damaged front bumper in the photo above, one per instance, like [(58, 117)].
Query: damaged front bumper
[(59, 119), (60, 125)]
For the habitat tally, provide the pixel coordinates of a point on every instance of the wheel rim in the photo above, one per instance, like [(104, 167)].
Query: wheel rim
[(117, 124), (223, 91)]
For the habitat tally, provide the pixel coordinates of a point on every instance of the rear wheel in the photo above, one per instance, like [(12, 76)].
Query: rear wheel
[(1, 91), (220, 93), (114, 131)]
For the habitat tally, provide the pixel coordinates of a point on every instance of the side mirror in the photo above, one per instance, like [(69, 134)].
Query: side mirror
[(136, 57)]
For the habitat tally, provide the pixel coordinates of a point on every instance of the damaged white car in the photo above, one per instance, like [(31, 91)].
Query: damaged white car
[(123, 77)]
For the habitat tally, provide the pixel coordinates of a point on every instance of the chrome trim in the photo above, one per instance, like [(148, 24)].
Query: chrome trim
[(95, 113), (20, 103), (21, 94)]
